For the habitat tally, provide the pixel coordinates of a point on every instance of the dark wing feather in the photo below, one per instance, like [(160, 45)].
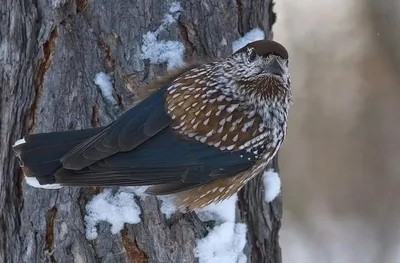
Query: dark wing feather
[(130, 130), (167, 160), (140, 148)]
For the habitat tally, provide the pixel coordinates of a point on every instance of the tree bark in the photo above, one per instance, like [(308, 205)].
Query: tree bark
[(50, 52)]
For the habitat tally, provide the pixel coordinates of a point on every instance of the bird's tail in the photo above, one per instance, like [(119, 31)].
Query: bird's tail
[(40, 154)]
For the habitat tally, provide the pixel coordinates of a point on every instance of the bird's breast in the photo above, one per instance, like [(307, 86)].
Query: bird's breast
[(204, 114)]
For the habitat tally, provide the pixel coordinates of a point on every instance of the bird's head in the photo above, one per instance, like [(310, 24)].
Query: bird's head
[(260, 69), (239, 103), (261, 59)]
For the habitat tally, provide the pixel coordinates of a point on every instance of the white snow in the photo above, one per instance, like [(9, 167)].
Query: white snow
[(18, 142), (167, 205), (120, 208), (116, 209), (172, 16), (32, 181), (272, 185), (104, 82), (57, 3), (175, 7), (221, 212), (224, 244), (226, 241), (167, 201), (251, 36), (161, 51)]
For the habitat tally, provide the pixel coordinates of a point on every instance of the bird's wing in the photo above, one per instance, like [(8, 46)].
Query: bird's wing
[(131, 129), (127, 132), (184, 135), (166, 159)]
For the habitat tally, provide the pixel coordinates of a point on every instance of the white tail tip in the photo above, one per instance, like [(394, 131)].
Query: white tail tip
[(18, 142), (32, 181)]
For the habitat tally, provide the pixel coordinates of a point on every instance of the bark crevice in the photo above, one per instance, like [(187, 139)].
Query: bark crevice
[(81, 5), (239, 6), (95, 120), (189, 46), (44, 64), (133, 251), (49, 236)]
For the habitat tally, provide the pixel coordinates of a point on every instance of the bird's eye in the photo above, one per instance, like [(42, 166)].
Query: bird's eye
[(252, 55)]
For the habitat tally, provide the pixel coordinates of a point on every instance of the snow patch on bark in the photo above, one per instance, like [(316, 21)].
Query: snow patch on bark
[(251, 36), (104, 82), (164, 51), (116, 209), (272, 185), (226, 241)]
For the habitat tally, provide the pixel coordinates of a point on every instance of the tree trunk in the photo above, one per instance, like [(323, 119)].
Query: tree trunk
[(50, 53)]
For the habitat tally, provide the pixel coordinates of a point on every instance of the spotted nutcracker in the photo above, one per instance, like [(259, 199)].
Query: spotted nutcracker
[(205, 132)]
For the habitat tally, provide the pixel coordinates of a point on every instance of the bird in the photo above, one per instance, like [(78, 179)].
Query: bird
[(200, 136)]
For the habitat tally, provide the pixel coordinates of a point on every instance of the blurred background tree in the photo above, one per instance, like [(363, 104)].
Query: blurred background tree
[(341, 162)]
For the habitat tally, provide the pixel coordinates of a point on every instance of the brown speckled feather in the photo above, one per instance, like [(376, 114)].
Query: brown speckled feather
[(217, 190), (205, 114)]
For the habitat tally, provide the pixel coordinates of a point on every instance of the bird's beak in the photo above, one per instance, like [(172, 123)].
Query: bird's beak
[(275, 68)]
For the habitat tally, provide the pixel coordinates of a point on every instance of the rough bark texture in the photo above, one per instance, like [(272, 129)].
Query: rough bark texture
[(49, 54)]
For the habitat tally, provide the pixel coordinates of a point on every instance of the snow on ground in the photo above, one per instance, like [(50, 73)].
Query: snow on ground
[(272, 185), (116, 209), (104, 82), (161, 51), (252, 35)]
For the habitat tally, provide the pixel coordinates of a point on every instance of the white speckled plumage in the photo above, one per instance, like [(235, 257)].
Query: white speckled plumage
[(234, 105)]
